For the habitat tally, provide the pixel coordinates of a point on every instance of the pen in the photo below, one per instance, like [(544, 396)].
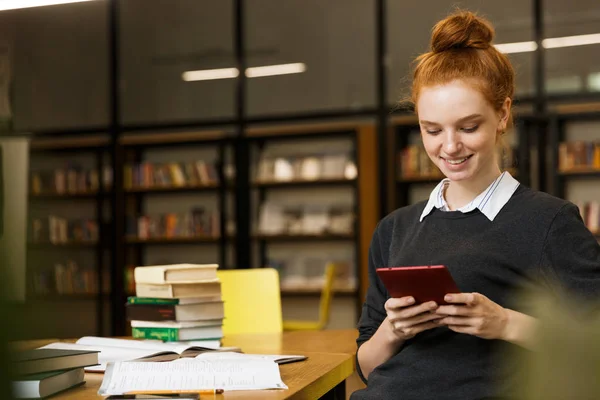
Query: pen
[(203, 391)]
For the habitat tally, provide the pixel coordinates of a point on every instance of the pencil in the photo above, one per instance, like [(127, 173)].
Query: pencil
[(202, 391)]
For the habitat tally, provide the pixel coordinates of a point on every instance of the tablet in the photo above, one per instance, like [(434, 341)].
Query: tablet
[(424, 283)]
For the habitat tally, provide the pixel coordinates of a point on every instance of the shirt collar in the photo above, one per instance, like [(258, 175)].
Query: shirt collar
[(489, 202)]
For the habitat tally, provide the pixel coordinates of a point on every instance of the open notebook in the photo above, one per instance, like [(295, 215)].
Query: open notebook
[(113, 350)]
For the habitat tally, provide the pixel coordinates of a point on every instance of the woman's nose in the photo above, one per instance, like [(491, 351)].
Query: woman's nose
[(451, 143)]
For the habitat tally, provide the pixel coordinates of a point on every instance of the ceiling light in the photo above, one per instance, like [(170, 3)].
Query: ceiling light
[(568, 41), (517, 47), (271, 70), (253, 72), (14, 4), (210, 74)]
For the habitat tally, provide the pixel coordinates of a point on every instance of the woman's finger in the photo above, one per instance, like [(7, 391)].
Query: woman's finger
[(413, 311), (461, 321), (464, 311), (413, 330), (394, 304)]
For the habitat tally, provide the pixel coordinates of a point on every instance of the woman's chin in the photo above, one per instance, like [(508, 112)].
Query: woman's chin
[(457, 175)]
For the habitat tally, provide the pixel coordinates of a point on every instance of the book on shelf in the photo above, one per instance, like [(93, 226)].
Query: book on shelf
[(196, 223), (275, 219), (57, 230), (113, 350), (173, 174), (209, 288), (204, 310), (67, 278), (175, 273), (311, 167), (44, 384), (72, 179), (578, 154), (47, 360), (174, 331)]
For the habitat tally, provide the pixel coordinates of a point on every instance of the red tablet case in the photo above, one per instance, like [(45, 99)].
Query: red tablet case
[(424, 283)]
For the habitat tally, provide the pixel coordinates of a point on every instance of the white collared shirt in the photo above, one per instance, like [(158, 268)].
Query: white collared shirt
[(489, 202)]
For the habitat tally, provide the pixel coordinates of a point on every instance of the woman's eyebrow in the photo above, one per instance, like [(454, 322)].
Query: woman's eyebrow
[(463, 119)]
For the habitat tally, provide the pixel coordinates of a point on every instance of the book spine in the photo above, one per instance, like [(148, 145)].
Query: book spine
[(164, 334), (150, 312), (151, 300)]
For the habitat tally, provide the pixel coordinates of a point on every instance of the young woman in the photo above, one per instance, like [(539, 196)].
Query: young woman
[(497, 237)]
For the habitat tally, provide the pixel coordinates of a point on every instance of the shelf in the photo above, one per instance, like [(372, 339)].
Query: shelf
[(174, 240), (304, 183), (317, 292), (40, 298), (590, 172), (304, 238), (70, 244), (76, 195), (173, 189)]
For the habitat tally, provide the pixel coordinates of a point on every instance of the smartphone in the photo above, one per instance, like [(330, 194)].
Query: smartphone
[(180, 396), (424, 283)]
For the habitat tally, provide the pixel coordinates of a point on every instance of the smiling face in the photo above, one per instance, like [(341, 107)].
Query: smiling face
[(459, 129)]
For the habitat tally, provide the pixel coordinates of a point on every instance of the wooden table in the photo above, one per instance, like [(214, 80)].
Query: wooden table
[(330, 361), (327, 341)]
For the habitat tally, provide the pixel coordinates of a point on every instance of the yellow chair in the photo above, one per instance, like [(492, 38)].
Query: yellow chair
[(252, 300), (324, 306)]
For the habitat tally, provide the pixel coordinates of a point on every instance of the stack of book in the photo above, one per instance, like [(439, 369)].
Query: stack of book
[(179, 302), (44, 372)]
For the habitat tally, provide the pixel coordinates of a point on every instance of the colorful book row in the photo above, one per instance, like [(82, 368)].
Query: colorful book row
[(196, 223), (578, 154), (150, 175)]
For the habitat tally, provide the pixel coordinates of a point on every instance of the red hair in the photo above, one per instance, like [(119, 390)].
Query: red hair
[(461, 48)]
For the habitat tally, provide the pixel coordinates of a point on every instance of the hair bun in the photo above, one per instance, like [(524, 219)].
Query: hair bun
[(462, 30)]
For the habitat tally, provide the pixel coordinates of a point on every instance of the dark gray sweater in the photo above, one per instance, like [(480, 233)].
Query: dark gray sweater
[(535, 242)]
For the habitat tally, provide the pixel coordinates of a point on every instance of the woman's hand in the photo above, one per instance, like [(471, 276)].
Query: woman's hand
[(407, 319), (474, 314)]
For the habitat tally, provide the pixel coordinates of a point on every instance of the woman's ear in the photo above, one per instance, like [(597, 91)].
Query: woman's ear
[(504, 115)]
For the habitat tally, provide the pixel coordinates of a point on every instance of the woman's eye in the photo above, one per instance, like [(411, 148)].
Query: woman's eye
[(433, 132), (470, 129)]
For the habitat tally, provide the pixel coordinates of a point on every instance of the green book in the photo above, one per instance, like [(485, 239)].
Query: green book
[(154, 300), (175, 334), (151, 300)]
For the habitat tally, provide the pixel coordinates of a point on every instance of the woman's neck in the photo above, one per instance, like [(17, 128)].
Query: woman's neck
[(460, 193)]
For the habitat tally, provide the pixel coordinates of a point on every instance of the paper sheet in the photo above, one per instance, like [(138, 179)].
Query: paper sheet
[(123, 377)]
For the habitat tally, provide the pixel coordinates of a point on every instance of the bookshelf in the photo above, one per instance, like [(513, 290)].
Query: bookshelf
[(176, 190), (414, 176), (575, 160), (67, 254), (298, 189)]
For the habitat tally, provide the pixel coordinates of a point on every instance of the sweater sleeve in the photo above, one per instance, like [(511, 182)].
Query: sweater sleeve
[(373, 311), (571, 256)]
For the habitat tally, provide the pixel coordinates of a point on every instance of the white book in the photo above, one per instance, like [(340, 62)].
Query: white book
[(113, 350), (176, 324), (176, 273), (45, 384)]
